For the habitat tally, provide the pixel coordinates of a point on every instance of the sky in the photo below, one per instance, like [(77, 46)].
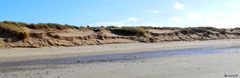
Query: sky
[(170, 13)]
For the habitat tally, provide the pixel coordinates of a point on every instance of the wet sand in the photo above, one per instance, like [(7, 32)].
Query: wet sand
[(199, 59), (17, 54), (185, 66)]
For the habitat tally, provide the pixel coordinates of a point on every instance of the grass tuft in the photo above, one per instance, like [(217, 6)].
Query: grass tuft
[(129, 31), (16, 29)]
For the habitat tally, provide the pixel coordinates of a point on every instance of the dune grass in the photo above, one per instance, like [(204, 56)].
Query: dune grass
[(16, 29), (129, 31), (19, 29), (50, 26)]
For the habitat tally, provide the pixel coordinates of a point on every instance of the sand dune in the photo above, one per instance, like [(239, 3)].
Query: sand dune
[(23, 35)]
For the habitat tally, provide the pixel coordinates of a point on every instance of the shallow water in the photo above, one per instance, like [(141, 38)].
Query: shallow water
[(125, 56)]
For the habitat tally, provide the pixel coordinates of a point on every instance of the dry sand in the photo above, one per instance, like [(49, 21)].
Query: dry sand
[(220, 65)]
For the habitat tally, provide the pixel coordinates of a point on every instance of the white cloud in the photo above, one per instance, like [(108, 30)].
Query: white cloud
[(176, 19), (222, 19), (213, 18), (179, 6), (108, 24), (132, 19), (194, 16), (155, 12), (119, 24), (233, 3)]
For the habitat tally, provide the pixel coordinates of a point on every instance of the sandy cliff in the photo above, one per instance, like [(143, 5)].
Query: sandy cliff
[(17, 34)]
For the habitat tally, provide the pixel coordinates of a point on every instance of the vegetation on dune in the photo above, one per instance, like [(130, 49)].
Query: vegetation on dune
[(50, 26), (206, 30), (18, 29), (14, 28), (158, 28), (20, 34), (129, 31)]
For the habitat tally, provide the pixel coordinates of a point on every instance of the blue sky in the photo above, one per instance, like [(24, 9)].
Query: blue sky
[(181, 13)]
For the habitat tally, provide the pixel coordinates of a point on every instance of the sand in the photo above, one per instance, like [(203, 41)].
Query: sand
[(16, 54), (193, 66), (221, 65)]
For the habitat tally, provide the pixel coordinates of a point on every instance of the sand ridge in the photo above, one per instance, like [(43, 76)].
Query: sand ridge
[(23, 35)]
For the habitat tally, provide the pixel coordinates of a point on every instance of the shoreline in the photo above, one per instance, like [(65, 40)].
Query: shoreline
[(197, 66), (210, 59), (22, 54)]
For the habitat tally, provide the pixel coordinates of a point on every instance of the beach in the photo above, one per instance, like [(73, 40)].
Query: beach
[(120, 39), (195, 59)]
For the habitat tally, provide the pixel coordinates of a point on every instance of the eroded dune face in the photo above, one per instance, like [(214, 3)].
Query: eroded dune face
[(16, 34)]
